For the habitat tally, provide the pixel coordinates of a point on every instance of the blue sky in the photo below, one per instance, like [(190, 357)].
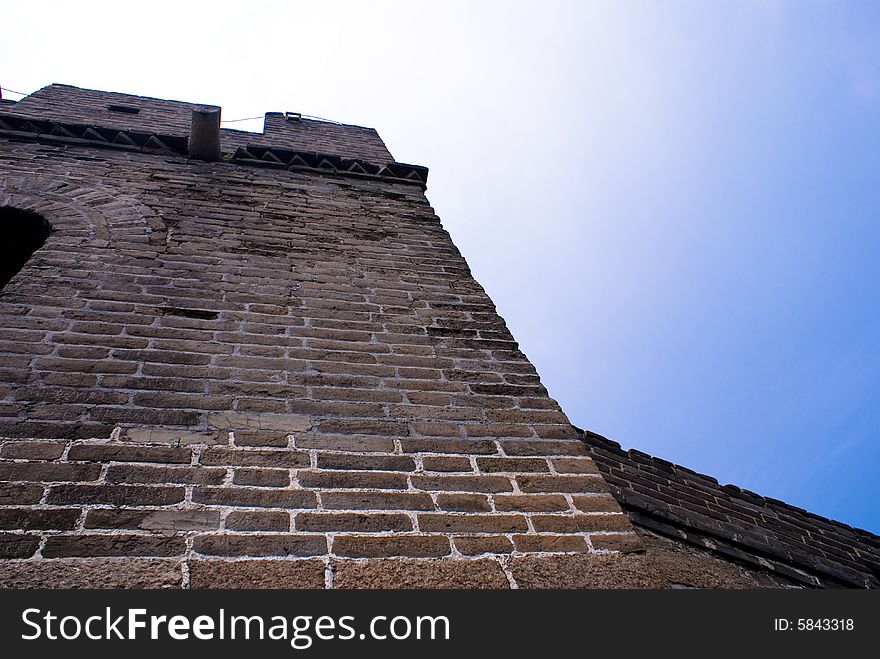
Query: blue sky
[(674, 205)]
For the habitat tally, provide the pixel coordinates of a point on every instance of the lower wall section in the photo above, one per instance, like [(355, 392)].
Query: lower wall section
[(155, 508), (662, 563), (185, 513), (256, 573)]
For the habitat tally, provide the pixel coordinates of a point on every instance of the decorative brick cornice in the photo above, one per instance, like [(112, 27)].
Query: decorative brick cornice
[(280, 157), (47, 131), (41, 130)]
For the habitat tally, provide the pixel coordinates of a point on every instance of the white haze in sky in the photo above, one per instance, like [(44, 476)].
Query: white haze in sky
[(673, 204)]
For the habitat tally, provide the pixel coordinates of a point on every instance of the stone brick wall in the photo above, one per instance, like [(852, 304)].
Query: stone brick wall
[(221, 375), (69, 104), (308, 135)]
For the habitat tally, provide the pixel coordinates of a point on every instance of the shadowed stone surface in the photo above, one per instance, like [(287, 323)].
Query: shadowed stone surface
[(414, 573)]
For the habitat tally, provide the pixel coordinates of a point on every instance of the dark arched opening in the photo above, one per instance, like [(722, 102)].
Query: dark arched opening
[(21, 234)]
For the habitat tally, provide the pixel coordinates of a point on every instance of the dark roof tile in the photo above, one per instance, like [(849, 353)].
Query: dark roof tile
[(736, 523)]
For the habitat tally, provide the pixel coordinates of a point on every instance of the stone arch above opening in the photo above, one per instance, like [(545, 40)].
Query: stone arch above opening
[(85, 214)]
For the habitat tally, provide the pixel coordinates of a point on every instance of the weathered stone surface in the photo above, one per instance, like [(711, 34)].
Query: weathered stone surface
[(471, 545), (663, 564), (173, 437), (468, 503), (550, 543), (463, 523), (92, 573), (367, 462), (377, 546), (60, 546), (595, 503), (153, 520), (258, 520), (409, 573), (262, 477), (578, 523), (48, 471), (13, 494), (160, 474), (116, 495), (260, 438), (18, 545), (41, 518), (33, 450), (276, 544), (353, 522), (240, 421), (253, 458), (269, 573), (532, 503), (623, 542), (255, 497), (124, 453)]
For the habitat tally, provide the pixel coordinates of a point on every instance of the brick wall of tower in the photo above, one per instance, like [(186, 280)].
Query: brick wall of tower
[(88, 106), (221, 375)]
